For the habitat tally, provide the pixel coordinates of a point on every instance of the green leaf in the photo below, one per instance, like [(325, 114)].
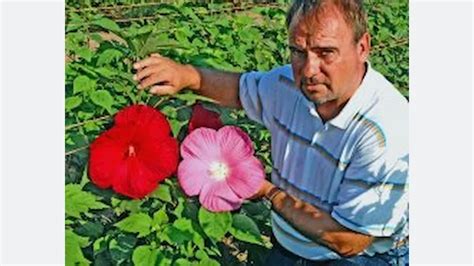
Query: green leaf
[(145, 256), (169, 111), (106, 72), (201, 254), (73, 102), (214, 224), (163, 260), (163, 193), (79, 201), (85, 53), (182, 262), (178, 211), (107, 24), (186, 225), (154, 43), (90, 229), (121, 248), (180, 232), (83, 83), (191, 98), (136, 223), (103, 99), (96, 37), (181, 37), (183, 230), (85, 176), (91, 126), (74, 243), (245, 229), (100, 244), (89, 70), (108, 56), (160, 217), (176, 126), (133, 206), (209, 262)]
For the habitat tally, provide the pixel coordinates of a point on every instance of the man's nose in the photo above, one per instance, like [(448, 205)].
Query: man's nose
[(312, 65)]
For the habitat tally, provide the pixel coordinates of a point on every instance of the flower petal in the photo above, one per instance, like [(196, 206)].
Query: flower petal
[(146, 118), (201, 117), (134, 172), (201, 143), (133, 180), (192, 176), (159, 155), (246, 178), (142, 180), (235, 144), (106, 153), (218, 197), (120, 182)]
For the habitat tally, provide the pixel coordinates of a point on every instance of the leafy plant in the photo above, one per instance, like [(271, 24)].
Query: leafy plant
[(167, 228)]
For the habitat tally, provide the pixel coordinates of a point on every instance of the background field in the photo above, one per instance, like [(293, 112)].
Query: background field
[(103, 39)]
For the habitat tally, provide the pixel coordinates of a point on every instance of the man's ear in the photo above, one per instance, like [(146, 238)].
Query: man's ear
[(363, 47)]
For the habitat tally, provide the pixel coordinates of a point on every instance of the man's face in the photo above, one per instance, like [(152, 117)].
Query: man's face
[(326, 61)]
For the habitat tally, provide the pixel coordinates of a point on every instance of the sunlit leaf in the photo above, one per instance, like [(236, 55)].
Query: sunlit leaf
[(136, 223), (215, 224), (74, 243), (79, 201)]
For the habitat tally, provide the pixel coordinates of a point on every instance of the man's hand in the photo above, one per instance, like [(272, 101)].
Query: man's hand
[(165, 76)]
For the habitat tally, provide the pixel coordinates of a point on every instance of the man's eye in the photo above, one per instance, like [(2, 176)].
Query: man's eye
[(297, 52), (326, 53)]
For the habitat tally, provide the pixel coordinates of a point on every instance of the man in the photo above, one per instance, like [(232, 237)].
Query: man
[(339, 138)]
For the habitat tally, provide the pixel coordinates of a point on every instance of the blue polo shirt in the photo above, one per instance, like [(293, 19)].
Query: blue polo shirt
[(354, 167)]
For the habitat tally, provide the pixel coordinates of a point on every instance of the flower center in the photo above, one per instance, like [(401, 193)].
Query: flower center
[(218, 170), (131, 151)]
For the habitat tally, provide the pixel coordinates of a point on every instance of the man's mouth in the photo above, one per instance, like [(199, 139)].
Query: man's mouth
[(314, 87)]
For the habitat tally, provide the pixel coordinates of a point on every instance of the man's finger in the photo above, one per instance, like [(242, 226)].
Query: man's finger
[(145, 72), (155, 54), (162, 90), (147, 61), (151, 80)]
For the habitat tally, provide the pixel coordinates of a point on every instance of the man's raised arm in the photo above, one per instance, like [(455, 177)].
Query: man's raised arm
[(164, 76)]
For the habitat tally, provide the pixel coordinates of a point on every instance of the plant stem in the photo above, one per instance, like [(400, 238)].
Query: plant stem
[(87, 121), (76, 150), (394, 44), (160, 101)]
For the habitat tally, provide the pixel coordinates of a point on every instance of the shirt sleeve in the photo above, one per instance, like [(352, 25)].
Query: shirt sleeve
[(373, 197), (250, 95)]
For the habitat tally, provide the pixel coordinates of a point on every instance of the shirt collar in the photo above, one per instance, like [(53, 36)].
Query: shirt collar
[(355, 103)]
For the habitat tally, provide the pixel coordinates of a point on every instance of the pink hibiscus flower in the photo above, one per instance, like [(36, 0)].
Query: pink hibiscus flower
[(219, 166)]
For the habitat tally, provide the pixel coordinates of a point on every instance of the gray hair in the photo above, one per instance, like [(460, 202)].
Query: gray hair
[(353, 11)]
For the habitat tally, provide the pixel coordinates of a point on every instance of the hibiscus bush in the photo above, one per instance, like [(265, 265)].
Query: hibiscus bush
[(166, 226)]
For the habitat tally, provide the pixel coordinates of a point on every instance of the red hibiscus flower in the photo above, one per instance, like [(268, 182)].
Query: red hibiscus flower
[(201, 117), (135, 154)]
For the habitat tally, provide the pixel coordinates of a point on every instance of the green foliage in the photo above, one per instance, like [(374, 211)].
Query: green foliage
[(80, 202), (245, 229), (388, 24), (74, 243), (215, 225), (145, 255), (168, 228), (163, 193), (136, 223)]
